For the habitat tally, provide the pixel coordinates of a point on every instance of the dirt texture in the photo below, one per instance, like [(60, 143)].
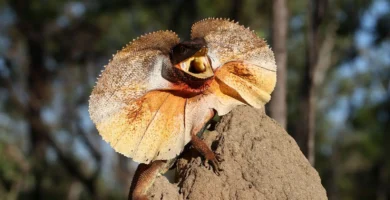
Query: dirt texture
[(261, 161)]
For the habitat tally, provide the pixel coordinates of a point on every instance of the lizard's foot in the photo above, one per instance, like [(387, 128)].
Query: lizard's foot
[(210, 157), (214, 163)]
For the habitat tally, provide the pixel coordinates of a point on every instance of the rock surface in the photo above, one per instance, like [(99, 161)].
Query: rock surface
[(261, 161)]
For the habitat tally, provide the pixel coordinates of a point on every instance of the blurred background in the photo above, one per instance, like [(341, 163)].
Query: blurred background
[(333, 92)]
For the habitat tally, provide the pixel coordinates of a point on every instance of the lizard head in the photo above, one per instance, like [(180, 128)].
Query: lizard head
[(197, 65), (190, 71)]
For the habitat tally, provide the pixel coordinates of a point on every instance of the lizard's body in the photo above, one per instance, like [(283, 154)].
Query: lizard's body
[(157, 93)]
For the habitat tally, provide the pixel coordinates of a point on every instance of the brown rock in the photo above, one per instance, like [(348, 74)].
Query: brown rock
[(261, 162)]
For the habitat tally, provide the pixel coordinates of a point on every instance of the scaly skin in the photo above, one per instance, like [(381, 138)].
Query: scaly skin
[(144, 177)]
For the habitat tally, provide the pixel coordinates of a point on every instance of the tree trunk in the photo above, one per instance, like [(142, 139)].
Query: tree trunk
[(305, 136), (306, 133), (236, 10), (278, 105), (39, 94)]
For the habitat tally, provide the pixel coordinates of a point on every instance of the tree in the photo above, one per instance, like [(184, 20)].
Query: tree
[(308, 94), (278, 104)]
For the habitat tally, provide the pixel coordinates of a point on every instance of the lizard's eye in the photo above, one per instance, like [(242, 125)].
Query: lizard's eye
[(183, 50)]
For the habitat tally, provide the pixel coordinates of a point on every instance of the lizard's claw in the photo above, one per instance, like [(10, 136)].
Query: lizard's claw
[(215, 163), (211, 159), (218, 157)]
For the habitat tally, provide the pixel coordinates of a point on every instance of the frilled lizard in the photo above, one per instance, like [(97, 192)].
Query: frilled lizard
[(157, 93)]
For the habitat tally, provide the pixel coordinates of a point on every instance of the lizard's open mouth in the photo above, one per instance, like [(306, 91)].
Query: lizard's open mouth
[(191, 71), (198, 65)]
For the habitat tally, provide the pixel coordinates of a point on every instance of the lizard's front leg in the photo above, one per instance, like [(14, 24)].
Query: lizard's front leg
[(202, 147), (144, 177)]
